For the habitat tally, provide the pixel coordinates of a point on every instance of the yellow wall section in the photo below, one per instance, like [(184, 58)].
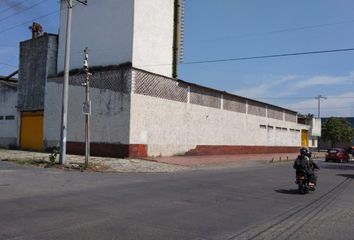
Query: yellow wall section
[(32, 131), (304, 138)]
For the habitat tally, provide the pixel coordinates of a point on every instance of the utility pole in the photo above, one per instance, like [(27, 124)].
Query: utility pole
[(319, 97), (87, 108), (64, 112)]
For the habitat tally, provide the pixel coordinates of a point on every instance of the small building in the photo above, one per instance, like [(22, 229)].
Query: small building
[(314, 132)]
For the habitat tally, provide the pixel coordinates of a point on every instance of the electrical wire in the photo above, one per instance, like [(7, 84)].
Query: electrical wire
[(255, 57), (324, 108), (17, 4), (280, 98), (29, 21), (282, 30), (5, 64), (34, 19), (26, 9), (269, 56)]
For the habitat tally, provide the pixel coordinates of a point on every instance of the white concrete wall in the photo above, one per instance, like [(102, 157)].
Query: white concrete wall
[(8, 128), (109, 119), (153, 36), (121, 31), (105, 27), (170, 127)]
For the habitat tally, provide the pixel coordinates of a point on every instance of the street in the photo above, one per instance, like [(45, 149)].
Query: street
[(252, 202)]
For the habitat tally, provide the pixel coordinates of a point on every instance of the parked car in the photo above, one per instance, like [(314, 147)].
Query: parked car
[(337, 155)]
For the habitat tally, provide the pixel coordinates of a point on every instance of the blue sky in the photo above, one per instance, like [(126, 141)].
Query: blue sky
[(222, 29)]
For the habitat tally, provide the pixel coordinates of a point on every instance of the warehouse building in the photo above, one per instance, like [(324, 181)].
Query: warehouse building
[(139, 108)]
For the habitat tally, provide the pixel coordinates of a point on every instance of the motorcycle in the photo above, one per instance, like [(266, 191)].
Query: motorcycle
[(304, 183)]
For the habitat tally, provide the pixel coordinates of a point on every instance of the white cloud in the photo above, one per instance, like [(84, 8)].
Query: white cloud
[(339, 105), (292, 84), (264, 88), (324, 81), (289, 92)]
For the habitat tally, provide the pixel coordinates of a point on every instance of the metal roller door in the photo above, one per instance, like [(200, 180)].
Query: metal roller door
[(31, 137)]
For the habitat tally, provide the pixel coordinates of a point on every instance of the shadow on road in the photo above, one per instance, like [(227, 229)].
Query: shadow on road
[(346, 175), (287, 191)]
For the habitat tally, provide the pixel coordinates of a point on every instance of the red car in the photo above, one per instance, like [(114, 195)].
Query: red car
[(337, 155)]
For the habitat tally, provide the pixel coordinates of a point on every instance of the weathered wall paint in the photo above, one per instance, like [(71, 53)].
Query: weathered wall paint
[(109, 119), (38, 59)]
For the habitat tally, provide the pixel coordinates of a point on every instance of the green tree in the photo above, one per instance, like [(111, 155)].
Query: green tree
[(337, 130)]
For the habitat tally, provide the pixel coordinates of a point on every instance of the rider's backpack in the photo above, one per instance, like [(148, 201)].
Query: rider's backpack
[(302, 163)]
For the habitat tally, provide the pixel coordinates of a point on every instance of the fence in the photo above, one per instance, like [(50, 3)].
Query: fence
[(130, 80), (149, 84), (115, 80)]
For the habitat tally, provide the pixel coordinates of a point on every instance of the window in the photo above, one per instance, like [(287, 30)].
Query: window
[(284, 129), (10, 117), (263, 126), (1, 117), (313, 142), (270, 127)]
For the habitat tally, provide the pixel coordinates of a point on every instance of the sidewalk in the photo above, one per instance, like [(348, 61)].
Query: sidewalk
[(232, 160), (159, 164), (237, 160)]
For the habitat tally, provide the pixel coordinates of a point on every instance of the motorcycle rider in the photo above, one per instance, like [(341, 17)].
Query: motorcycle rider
[(304, 165)]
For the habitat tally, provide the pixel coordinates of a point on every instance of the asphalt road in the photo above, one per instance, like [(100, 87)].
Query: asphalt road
[(258, 202)]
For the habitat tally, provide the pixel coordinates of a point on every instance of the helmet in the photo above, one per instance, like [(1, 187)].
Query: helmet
[(309, 153), (303, 151)]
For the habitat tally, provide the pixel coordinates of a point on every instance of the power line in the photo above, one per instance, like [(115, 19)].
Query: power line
[(17, 4), (34, 19), (270, 56), (254, 57), (280, 98), (326, 108), (5, 64), (340, 97), (283, 30), (17, 13), (30, 21)]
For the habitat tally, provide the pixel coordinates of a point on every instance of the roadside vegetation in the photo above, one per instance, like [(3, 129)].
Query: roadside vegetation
[(337, 131)]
